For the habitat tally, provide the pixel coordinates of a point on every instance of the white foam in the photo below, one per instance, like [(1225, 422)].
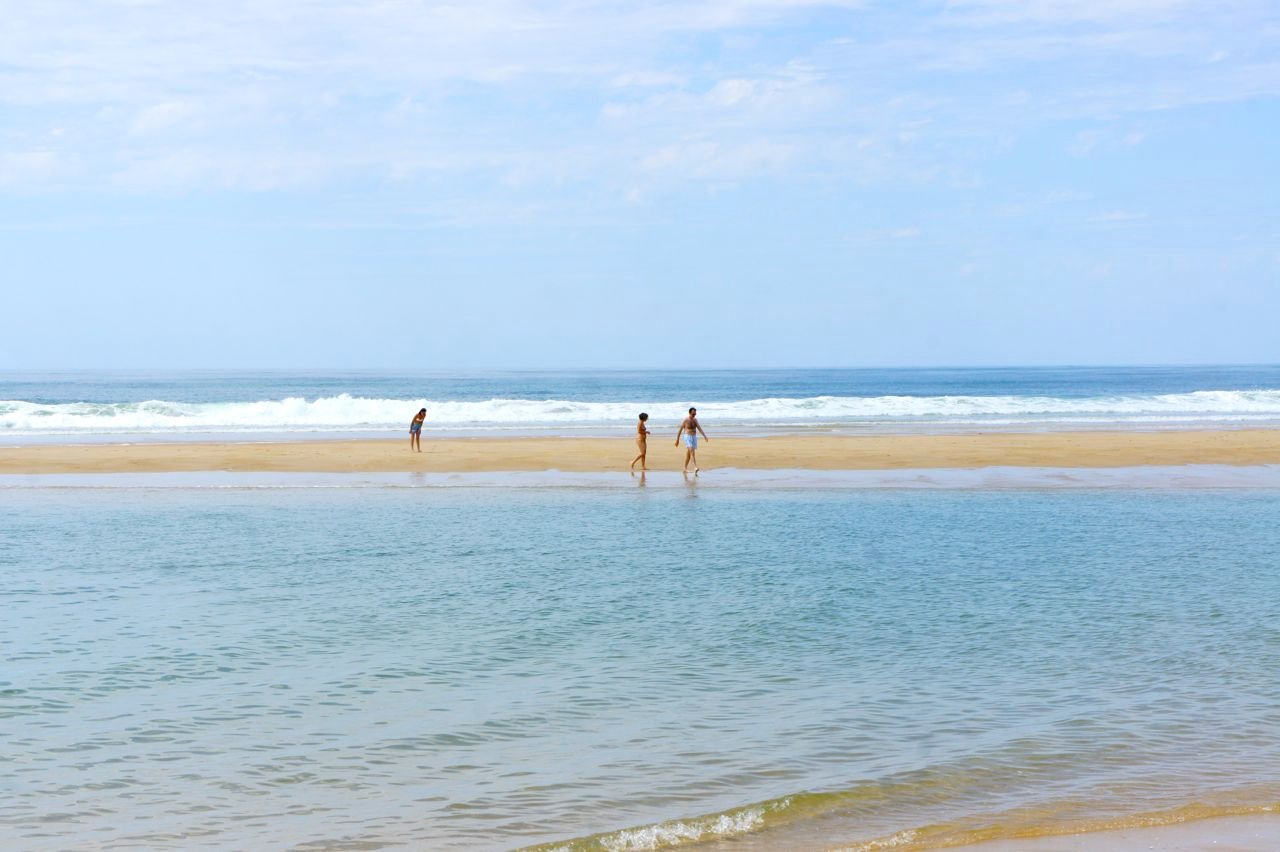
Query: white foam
[(678, 832), (345, 413)]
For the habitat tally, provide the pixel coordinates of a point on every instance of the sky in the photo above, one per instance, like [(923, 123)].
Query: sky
[(599, 184)]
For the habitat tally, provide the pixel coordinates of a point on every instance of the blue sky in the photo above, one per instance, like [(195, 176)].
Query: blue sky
[(535, 183)]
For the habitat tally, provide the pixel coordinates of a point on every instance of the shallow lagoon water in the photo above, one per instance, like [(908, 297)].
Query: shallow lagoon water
[(490, 667)]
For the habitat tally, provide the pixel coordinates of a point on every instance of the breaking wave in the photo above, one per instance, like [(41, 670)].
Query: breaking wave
[(345, 413)]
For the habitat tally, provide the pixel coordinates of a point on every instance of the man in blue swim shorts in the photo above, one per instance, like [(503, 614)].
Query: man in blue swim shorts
[(689, 430)]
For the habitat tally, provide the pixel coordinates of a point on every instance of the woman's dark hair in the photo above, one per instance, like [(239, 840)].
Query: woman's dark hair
[(643, 416), (423, 411)]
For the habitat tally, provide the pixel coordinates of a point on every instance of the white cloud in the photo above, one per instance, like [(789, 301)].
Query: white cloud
[(647, 80), (156, 94), (171, 170), (159, 118), (1058, 12), (1087, 142), (716, 160), (26, 168), (729, 93)]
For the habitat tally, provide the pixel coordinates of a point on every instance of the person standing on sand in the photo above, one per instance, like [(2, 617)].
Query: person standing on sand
[(642, 441), (415, 431), (690, 429)]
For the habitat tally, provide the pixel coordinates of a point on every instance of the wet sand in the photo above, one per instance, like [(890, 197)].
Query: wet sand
[(1225, 834), (796, 452)]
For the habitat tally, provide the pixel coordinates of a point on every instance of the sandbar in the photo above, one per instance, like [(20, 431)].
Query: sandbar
[(789, 452)]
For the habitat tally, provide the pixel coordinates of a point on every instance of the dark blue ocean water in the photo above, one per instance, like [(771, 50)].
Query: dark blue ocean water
[(622, 386)]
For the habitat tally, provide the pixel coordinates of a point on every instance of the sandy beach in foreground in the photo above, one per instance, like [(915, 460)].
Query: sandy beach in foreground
[(801, 452)]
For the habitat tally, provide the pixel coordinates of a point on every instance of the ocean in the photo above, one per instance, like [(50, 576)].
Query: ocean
[(85, 406), (787, 660)]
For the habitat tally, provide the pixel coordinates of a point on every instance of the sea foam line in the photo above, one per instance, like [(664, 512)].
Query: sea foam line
[(351, 413)]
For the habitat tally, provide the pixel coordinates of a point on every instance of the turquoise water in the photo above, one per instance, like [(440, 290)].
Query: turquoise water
[(488, 668)]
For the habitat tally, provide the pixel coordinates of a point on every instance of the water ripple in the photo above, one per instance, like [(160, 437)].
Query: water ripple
[(488, 669)]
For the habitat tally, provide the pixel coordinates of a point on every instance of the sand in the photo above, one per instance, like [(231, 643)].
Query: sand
[(1226, 834), (801, 452)]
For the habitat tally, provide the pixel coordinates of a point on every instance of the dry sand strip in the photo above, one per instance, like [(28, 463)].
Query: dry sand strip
[(806, 452)]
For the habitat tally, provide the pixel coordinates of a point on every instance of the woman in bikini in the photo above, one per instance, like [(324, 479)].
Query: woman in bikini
[(415, 431), (642, 436)]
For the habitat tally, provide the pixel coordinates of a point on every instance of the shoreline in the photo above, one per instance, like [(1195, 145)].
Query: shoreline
[(1231, 833), (1193, 477), (1247, 447), (1194, 827)]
